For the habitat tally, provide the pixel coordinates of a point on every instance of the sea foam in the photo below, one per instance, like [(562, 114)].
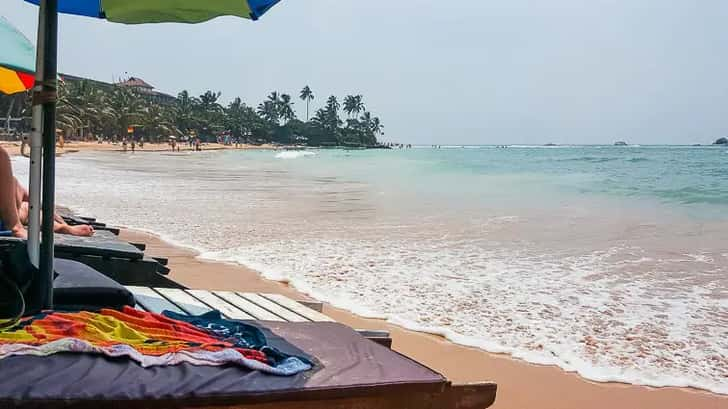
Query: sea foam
[(293, 154)]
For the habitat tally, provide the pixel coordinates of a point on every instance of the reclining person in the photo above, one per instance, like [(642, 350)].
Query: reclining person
[(9, 218)]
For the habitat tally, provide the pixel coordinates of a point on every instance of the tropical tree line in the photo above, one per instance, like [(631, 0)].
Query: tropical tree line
[(92, 109)]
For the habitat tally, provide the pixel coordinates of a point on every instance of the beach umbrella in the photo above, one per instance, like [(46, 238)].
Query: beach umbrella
[(120, 11), (17, 60), (163, 11), (17, 68)]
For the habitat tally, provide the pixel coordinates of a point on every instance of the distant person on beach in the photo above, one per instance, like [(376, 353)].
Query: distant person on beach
[(141, 142), (133, 145), (123, 144)]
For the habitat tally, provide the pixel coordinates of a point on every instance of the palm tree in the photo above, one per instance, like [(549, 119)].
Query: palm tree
[(268, 111), (209, 112), (366, 119), (332, 113), (185, 112), (354, 105), (319, 118), (349, 105), (376, 126), (88, 99), (124, 108), (358, 105), (306, 95), (332, 104), (158, 122), (272, 107), (373, 125), (208, 101), (68, 116), (285, 108), (274, 98)]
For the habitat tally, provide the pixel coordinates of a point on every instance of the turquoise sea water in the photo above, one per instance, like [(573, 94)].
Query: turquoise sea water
[(678, 175), (609, 261)]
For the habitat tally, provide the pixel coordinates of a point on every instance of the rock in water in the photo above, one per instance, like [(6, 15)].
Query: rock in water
[(721, 141), (620, 143)]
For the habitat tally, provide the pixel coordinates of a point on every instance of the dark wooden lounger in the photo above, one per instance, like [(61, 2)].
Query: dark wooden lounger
[(119, 260), (73, 220), (102, 243)]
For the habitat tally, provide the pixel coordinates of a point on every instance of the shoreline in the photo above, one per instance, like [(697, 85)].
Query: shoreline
[(520, 384), (13, 147)]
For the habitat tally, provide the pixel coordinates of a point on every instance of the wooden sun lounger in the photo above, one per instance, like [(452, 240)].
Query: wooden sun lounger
[(73, 220), (269, 309), (117, 259), (102, 244), (349, 372), (237, 305)]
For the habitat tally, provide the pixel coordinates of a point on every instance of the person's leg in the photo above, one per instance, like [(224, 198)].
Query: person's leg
[(8, 197), (60, 226), (24, 213), (19, 193)]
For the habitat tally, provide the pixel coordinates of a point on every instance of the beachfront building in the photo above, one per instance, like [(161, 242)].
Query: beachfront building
[(143, 88), (135, 83)]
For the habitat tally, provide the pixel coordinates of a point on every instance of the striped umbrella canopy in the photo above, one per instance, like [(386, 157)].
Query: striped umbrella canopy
[(17, 60), (161, 11)]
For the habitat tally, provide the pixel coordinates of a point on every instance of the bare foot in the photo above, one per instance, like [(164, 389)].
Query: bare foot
[(20, 232), (78, 230)]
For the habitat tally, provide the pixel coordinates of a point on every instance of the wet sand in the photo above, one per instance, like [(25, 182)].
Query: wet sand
[(520, 384)]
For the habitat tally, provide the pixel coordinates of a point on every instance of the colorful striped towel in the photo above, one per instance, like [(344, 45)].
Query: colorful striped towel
[(148, 338)]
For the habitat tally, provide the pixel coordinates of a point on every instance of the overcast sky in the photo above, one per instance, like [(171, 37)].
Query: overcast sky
[(434, 71)]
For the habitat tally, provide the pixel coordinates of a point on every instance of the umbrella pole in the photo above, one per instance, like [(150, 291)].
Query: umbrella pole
[(50, 50), (35, 153)]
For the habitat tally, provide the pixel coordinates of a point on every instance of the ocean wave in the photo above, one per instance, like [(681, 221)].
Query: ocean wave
[(294, 154), (591, 159), (637, 160), (544, 146), (694, 195)]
